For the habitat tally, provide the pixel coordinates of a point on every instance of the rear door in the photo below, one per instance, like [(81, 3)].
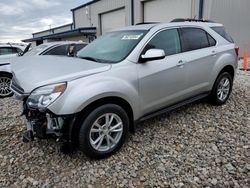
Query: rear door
[(200, 51), (161, 82)]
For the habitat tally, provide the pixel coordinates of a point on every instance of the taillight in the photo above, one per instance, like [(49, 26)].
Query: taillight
[(236, 49)]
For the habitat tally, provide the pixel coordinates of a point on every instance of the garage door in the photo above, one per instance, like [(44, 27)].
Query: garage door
[(112, 20), (166, 10)]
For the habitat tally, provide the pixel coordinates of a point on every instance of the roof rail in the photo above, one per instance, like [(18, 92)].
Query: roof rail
[(143, 23), (191, 20)]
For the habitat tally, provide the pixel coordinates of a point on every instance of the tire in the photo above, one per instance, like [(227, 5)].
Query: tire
[(215, 97), (5, 80), (94, 127)]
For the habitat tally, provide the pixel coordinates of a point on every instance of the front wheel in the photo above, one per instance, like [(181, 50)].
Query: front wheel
[(5, 80), (221, 89), (103, 131)]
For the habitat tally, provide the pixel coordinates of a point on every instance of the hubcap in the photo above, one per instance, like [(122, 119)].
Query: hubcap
[(223, 89), (5, 86), (106, 132)]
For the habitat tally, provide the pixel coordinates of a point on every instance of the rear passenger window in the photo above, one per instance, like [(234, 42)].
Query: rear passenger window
[(59, 50), (14, 50), (7, 51), (221, 31), (167, 40), (193, 39)]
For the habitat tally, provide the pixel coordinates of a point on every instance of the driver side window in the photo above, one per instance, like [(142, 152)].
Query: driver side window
[(167, 40)]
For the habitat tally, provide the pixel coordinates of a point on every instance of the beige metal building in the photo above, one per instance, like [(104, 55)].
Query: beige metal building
[(109, 14), (99, 16), (235, 15)]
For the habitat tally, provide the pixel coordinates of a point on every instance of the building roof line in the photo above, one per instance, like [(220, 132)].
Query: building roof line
[(53, 28), (84, 5), (78, 30)]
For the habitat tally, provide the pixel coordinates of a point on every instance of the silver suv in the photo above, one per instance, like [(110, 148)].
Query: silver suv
[(121, 79)]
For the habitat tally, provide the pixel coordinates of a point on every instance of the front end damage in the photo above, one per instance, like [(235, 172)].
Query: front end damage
[(45, 125), (42, 123)]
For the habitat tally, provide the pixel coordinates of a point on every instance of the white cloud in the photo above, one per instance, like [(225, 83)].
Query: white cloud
[(9, 10), (44, 3), (20, 18), (46, 21), (6, 38)]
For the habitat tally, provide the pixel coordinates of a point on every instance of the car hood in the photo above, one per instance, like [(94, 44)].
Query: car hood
[(34, 71)]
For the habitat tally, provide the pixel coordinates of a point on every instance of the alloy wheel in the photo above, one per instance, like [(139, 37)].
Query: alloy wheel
[(106, 132), (5, 86), (223, 89)]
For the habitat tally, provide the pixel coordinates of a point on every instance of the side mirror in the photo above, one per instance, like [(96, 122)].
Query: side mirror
[(153, 54)]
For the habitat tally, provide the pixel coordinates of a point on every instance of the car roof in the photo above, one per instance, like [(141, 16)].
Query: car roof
[(147, 26), (12, 45), (64, 42)]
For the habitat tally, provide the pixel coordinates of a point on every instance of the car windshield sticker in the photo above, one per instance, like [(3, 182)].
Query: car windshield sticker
[(131, 37)]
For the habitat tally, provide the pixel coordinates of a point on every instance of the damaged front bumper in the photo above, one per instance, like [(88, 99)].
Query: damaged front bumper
[(46, 124), (43, 124)]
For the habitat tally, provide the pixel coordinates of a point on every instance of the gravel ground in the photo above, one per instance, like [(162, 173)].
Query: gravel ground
[(198, 145)]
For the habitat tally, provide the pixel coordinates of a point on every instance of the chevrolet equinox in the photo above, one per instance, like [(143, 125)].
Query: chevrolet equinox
[(123, 77)]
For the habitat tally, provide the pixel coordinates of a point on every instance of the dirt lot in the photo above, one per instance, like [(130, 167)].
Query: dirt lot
[(198, 145)]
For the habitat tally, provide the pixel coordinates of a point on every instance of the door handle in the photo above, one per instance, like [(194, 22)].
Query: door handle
[(180, 63)]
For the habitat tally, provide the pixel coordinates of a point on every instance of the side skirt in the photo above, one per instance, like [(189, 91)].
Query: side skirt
[(172, 107)]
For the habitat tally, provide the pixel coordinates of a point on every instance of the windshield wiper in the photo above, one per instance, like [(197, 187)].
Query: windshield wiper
[(89, 58)]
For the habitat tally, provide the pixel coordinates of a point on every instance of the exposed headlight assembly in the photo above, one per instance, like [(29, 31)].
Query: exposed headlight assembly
[(42, 97)]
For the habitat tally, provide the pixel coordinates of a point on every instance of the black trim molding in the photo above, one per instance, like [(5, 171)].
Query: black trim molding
[(4, 64)]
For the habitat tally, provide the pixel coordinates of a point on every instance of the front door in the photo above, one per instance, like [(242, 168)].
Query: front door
[(161, 82)]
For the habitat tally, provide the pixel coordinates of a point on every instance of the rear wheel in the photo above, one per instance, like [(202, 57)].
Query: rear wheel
[(103, 131), (222, 89), (5, 80)]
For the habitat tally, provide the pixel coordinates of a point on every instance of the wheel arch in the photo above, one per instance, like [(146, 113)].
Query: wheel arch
[(102, 101), (229, 69), (6, 73)]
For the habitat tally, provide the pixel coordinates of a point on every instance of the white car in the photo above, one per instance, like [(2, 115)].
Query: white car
[(68, 48), (9, 50)]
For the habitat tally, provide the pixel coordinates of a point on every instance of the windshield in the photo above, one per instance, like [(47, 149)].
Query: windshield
[(36, 50), (112, 47)]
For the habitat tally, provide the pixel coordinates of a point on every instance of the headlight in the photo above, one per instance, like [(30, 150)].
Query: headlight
[(42, 97)]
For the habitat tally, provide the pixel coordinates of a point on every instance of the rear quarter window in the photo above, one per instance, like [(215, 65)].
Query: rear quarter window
[(222, 32)]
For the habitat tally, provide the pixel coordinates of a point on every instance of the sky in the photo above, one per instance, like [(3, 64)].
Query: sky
[(20, 18)]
